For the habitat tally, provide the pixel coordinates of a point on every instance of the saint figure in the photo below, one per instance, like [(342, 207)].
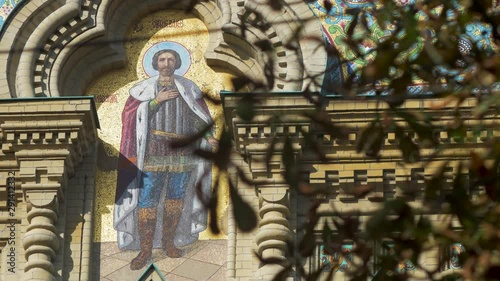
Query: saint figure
[(156, 205)]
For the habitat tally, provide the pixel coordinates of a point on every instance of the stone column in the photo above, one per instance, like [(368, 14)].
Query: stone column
[(43, 176), (274, 234), (41, 241), (252, 140)]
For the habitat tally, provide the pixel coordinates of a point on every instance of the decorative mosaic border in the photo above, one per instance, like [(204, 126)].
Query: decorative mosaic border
[(6, 7)]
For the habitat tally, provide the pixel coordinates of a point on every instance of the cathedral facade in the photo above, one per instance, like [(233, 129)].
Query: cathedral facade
[(94, 92)]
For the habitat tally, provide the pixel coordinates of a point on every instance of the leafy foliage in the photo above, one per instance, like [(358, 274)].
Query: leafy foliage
[(429, 45)]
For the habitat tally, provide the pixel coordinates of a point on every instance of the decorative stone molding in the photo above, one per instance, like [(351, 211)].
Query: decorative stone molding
[(252, 138), (47, 139), (298, 62), (22, 23), (283, 115)]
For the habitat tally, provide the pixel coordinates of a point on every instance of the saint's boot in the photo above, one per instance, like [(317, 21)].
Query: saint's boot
[(173, 210), (147, 223)]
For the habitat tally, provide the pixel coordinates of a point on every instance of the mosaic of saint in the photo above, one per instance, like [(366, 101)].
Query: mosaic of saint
[(156, 205), (149, 194)]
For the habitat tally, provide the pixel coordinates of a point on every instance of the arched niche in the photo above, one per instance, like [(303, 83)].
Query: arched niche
[(182, 32), (57, 48)]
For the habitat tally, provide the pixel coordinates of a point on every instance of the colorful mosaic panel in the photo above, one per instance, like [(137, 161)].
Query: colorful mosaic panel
[(6, 7), (456, 250), (159, 31), (404, 266), (337, 21), (147, 206), (339, 261), (335, 24)]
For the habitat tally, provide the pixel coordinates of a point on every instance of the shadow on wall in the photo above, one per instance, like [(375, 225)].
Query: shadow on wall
[(107, 164)]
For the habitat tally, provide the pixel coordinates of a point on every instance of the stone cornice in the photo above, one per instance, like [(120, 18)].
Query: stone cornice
[(279, 116), (48, 129)]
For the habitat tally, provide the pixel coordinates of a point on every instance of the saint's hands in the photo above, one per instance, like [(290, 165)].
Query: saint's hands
[(165, 94)]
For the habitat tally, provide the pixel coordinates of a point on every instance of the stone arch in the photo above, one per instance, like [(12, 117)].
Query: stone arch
[(22, 22), (295, 25), (62, 45)]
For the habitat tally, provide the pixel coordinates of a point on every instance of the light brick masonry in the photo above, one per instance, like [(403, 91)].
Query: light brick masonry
[(49, 156)]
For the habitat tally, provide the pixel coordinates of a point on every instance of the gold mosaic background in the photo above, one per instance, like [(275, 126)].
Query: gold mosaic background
[(111, 92)]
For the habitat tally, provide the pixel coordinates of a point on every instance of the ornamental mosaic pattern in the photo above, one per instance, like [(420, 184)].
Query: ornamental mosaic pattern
[(339, 261), (337, 21), (6, 7)]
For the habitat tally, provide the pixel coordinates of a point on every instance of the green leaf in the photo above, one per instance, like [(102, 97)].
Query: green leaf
[(457, 131), (246, 108), (400, 85), (434, 185), (269, 72), (311, 142), (276, 4), (459, 201), (422, 230), (280, 276), (212, 207), (380, 227), (485, 105), (264, 45), (307, 244), (322, 118), (408, 148), (245, 217), (292, 175), (270, 152), (352, 24), (423, 131), (241, 82), (326, 234), (314, 276), (380, 66), (371, 139), (223, 155), (185, 141)]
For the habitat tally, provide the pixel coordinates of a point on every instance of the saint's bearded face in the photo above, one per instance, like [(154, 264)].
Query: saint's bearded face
[(166, 64)]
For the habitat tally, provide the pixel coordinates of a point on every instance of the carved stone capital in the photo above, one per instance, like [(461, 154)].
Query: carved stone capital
[(275, 117)]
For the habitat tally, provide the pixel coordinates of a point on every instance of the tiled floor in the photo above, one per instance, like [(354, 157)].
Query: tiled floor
[(204, 260)]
